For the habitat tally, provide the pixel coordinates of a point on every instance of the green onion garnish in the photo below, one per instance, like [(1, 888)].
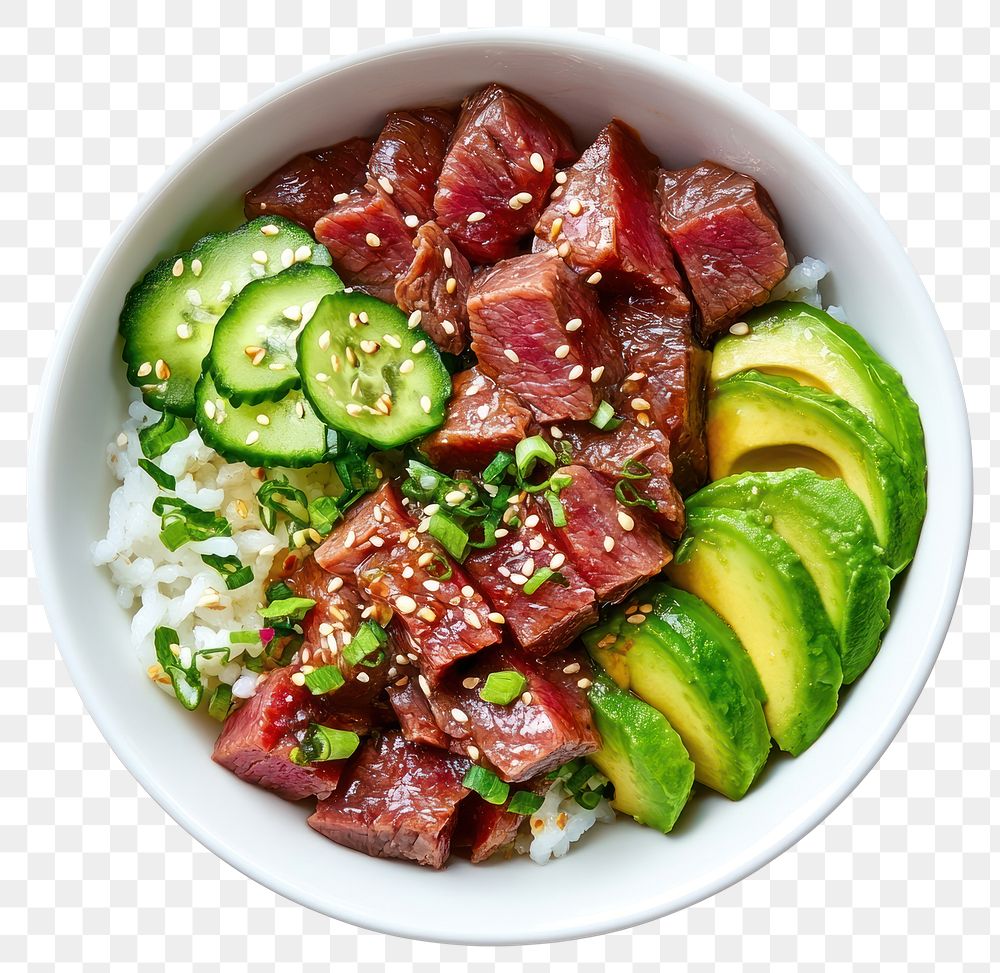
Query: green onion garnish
[(588, 799), (627, 494), (580, 777), (369, 637), (632, 469), (439, 568), (498, 467), (277, 590), (559, 481), (164, 480), (502, 687), (325, 679), (221, 701), (486, 784), (529, 451), (290, 609), (453, 538), (324, 743), (323, 514), (181, 523), (543, 574), (604, 417), (233, 571), (245, 638), (279, 496), (524, 802), (186, 682), (556, 508), (156, 439)]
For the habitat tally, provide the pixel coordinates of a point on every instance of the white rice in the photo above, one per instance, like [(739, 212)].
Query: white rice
[(558, 823), (166, 587), (802, 282)]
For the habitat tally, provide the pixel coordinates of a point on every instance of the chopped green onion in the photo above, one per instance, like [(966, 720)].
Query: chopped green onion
[(324, 743), (323, 514), (627, 494), (543, 574), (580, 777), (439, 568), (164, 640), (279, 496), (369, 637), (588, 799), (502, 687), (233, 571), (277, 590), (187, 686), (498, 468), (182, 522), (557, 510), (156, 439), (174, 535), (373, 662), (604, 417), (486, 784), (683, 550), (292, 645), (164, 480), (325, 679), (632, 469), (559, 481), (292, 609), (529, 451), (452, 537), (566, 770), (221, 701), (251, 637), (524, 802)]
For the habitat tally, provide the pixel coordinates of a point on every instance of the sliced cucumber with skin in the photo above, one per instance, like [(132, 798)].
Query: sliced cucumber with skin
[(284, 433), (169, 317), (368, 374), (253, 351)]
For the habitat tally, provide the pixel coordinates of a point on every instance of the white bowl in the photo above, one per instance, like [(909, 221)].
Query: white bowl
[(618, 875)]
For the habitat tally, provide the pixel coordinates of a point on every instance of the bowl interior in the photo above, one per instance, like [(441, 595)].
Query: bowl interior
[(618, 875)]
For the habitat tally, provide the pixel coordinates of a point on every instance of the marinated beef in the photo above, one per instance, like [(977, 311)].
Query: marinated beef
[(407, 157), (414, 713), (666, 380), (437, 285), (303, 189), (370, 245), (626, 455), (605, 218), (548, 725), (615, 548), (538, 331), (724, 229), (498, 171), (257, 738), (556, 612), (482, 419), (397, 800)]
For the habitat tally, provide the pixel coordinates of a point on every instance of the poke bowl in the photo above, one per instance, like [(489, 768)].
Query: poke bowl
[(591, 453)]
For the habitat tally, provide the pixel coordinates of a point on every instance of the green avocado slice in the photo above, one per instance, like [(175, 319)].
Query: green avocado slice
[(757, 583), (765, 423), (829, 529), (641, 754), (681, 658), (806, 344)]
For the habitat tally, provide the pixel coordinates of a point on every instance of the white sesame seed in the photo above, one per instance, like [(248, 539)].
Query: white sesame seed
[(122, 439), (322, 377), (526, 698), (418, 347), (596, 373), (162, 370), (144, 369), (427, 614), (561, 178), (184, 331), (287, 257), (511, 355), (514, 203), (413, 543), (576, 371), (425, 404), (276, 366), (351, 357), (475, 217), (196, 267), (369, 347), (303, 253), (517, 547), (450, 285), (556, 229), (363, 317), (292, 313), (324, 340), (473, 752), (423, 683), (584, 683), (459, 716), (472, 618), (447, 327), (496, 618), (536, 543), (636, 619), (362, 677), (537, 162), (260, 257), (557, 192), (572, 668), (263, 420), (739, 328), (335, 585), (193, 297), (406, 604), (470, 682), (385, 184), (270, 230), (528, 568), (627, 523), (454, 497), (407, 572), (298, 678), (178, 267), (531, 521), (609, 543), (252, 437), (447, 257), (411, 221), (557, 433), (575, 207), (225, 290), (483, 411), (563, 250), (518, 578), (640, 405), (523, 198), (340, 197), (373, 240), (595, 277)]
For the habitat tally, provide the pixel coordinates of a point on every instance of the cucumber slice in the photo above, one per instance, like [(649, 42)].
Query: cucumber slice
[(291, 434), (169, 316), (253, 352), (369, 374)]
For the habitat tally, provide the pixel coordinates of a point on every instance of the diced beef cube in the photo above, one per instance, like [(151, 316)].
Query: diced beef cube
[(548, 725), (555, 613), (257, 738), (302, 190), (482, 419), (485, 829), (396, 800), (498, 171), (666, 380), (606, 216), (437, 285), (380, 516), (538, 330), (408, 155), (615, 548), (724, 229), (414, 713), (608, 453), (443, 616), (370, 245)]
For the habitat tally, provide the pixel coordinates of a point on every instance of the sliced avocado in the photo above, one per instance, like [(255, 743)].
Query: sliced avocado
[(641, 755), (681, 658), (829, 529), (756, 582), (806, 344), (760, 423)]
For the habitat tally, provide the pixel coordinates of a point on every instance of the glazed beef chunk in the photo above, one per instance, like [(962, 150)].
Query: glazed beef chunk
[(407, 157), (614, 547), (538, 331), (724, 229), (437, 285), (302, 190), (396, 800), (666, 380), (536, 733), (482, 419), (369, 243), (605, 219), (552, 615), (498, 171), (257, 738), (638, 458), (416, 721)]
